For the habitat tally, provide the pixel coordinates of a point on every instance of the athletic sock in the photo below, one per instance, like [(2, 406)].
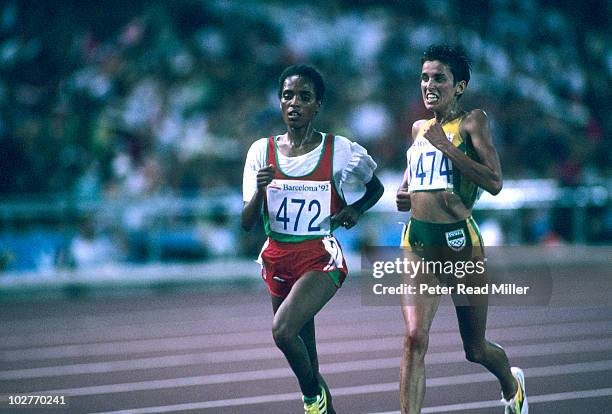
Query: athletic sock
[(310, 400)]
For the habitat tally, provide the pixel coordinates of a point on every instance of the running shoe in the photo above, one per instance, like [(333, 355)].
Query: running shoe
[(518, 404), (317, 407)]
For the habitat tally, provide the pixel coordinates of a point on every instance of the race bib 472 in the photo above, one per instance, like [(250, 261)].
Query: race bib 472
[(299, 207)]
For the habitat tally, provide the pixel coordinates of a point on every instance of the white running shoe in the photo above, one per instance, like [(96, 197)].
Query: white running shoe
[(518, 404)]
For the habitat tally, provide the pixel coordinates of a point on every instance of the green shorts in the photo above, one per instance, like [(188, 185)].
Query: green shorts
[(447, 241)]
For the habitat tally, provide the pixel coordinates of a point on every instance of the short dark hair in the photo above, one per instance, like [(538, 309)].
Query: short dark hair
[(453, 56), (307, 71)]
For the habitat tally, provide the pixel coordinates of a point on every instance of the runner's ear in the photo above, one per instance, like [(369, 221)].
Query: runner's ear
[(460, 88)]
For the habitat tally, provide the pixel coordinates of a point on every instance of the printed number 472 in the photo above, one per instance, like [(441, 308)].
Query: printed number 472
[(281, 214)]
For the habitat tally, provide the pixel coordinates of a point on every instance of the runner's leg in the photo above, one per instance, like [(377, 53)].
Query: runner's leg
[(307, 297), (418, 312), (308, 335), (472, 326)]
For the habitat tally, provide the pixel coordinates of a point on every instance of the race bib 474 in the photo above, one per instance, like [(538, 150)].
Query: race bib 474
[(428, 167)]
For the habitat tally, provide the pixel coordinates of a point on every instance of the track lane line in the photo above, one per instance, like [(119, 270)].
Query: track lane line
[(533, 399), (375, 388), (173, 361), (335, 368), (183, 343), (67, 336), (333, 315), (564, 347)]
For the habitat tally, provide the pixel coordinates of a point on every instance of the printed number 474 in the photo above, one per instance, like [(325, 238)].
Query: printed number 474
[(444, 169)]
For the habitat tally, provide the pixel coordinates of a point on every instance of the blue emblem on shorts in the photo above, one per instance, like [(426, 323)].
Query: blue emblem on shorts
[(455, 239)]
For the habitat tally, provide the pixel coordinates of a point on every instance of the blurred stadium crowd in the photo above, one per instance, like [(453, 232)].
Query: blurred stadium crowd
[(113, 100)]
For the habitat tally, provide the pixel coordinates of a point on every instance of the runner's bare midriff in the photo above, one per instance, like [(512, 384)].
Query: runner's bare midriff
[(438, 207)]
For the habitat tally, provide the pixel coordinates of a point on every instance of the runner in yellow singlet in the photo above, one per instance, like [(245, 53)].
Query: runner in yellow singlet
[(451, 157)]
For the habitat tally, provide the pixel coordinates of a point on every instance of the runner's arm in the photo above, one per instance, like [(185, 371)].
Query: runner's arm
[(350, 214), (486, 172), (251, 209), (402, 197)]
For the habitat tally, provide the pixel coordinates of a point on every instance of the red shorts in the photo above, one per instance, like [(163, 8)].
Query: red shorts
[(282, 264)]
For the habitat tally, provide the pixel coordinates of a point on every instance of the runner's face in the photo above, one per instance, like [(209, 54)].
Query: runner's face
[(439, 94), (298, 101)]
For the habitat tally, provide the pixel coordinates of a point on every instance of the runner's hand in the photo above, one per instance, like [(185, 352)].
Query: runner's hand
[(347, 217), (265, 176), (402, 200), (436, 135)]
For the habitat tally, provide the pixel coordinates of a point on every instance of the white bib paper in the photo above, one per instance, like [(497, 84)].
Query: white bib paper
[(299, 207), (428, 167)]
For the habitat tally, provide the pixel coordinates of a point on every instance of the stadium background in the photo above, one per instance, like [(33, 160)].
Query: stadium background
[(125, 280), (123, 132)]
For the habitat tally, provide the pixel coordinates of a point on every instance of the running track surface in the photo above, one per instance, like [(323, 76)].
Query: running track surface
[(211, 351)]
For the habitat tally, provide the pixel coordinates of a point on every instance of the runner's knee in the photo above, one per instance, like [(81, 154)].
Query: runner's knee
[(474, 353), (416, 341), (283, 333)]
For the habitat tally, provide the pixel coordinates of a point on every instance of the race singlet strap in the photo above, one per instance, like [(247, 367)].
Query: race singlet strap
[(300, 208)]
